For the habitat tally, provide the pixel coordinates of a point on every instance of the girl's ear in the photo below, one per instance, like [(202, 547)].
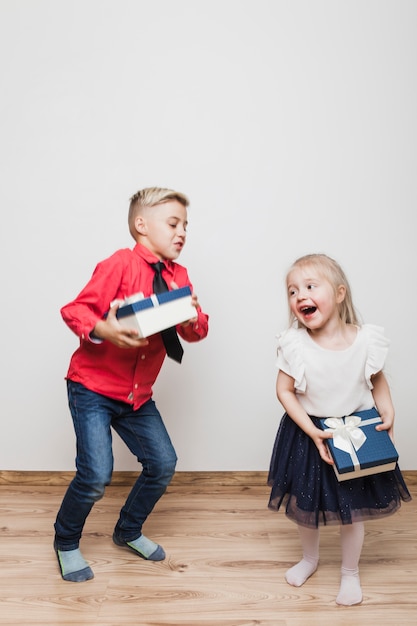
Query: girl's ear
[(340, 293), (140, 225)]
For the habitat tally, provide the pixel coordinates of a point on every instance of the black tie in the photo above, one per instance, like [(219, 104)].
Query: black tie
[(169, 336)]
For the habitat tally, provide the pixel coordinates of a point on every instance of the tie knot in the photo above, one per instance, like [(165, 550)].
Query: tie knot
[(158, 267)]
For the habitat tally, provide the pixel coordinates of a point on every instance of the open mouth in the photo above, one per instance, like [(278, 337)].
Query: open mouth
[(308, 310)]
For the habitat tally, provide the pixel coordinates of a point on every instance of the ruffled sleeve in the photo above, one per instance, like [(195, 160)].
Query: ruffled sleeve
[(377, 350), (290, 358)]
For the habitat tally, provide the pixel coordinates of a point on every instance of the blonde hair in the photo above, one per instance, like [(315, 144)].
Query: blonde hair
[(329, 269), (149, 197)]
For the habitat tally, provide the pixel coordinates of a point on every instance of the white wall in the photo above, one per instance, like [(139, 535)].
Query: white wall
[(292, 128)]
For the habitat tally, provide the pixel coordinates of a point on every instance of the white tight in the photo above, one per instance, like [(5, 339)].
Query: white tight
[(351, 540)]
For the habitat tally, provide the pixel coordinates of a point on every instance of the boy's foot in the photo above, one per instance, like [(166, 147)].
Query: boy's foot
[(73, 566), (143, 547)]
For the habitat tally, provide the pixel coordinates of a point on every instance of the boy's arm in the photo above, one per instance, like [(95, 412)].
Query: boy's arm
[(85, 312), (196, 328), (383, 402), (111, 330), (288, 399)]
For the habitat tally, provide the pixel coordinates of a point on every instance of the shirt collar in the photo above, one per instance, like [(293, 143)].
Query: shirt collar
[(149, 256)]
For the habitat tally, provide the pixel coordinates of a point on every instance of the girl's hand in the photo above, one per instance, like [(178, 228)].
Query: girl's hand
[(387, 424), (383, 402), (319, 437), (286, 395)]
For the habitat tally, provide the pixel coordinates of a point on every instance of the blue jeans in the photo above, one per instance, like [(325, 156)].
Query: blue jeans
[(144, 433)]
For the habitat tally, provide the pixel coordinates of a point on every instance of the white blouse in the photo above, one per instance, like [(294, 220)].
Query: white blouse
[(333, 383)]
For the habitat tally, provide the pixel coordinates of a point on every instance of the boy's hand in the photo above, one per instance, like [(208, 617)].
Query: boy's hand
[(111, 330), (193, 320), (194, 302)]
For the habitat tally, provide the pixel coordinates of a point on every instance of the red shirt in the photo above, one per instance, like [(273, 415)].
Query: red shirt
[(125, 374)]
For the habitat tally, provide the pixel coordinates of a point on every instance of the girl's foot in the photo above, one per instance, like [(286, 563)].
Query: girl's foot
[(298, 574), (350, 591)]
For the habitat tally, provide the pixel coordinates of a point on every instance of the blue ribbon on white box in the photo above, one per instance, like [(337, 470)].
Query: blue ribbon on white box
[(157, 312), (346, 434)]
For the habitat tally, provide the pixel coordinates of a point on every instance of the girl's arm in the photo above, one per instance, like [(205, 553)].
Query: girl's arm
[(288, 399), (383, 402)]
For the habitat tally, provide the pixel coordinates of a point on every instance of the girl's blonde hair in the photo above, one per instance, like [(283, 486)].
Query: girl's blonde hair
[(150, 197), (329, 269)]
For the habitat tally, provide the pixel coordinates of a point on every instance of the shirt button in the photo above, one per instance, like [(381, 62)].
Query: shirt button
[(143, 357), (136, 385)]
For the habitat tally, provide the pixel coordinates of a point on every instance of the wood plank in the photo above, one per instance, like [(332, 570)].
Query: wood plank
[(121, 478), (226, 559), (56, 478)]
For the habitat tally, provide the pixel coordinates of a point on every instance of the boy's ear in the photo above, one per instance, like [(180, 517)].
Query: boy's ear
[(140, 225)]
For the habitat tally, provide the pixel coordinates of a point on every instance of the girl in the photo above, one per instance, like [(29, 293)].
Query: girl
[(329, 365)]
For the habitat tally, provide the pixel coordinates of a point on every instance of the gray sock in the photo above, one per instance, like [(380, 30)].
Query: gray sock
[(73, 565), (147, 549)]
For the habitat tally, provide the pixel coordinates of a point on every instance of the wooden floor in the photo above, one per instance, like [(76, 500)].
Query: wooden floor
[(226, 558)]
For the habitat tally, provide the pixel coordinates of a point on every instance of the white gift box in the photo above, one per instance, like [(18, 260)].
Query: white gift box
[(159, 311)]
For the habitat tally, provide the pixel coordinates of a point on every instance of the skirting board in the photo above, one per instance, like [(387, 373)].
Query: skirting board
[(215, 479)]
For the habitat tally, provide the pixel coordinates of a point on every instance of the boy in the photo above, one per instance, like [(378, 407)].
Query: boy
[(111, 375)]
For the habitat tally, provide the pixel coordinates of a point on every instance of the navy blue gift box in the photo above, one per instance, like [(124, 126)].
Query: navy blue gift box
[(159, 311), (357, 448)]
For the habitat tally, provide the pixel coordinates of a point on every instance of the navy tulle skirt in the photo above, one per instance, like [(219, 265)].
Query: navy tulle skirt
[(308, 488)]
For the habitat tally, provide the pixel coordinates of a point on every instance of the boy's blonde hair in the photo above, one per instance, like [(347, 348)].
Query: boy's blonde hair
[(149, 197), (333, 273)]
